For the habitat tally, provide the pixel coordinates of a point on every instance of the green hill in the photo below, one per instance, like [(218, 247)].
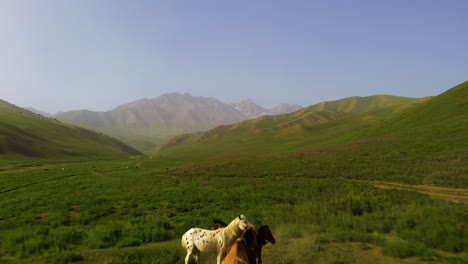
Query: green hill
[(423, 142), (358, 104), (25, 134), (448, 105), (317, 125)]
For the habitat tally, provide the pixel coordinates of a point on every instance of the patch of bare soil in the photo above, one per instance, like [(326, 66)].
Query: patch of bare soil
[(449, 194)]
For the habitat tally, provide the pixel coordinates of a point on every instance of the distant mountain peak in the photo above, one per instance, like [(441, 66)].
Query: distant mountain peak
[(249, 108)]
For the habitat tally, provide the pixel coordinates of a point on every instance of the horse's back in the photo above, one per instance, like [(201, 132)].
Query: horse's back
[(237, 253), (202, 239)]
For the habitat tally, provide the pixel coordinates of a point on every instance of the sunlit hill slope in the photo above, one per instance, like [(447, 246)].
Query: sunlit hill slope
[(420, 142), (25, 134), (317, 125)]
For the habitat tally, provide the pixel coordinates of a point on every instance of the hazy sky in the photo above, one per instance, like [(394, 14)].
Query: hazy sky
[(63, 55)]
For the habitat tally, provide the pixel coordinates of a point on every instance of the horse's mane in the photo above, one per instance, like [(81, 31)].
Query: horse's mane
[(250, 235), (233, 228)]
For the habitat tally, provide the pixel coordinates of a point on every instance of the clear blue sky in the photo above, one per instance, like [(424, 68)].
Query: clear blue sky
[(95, 54)]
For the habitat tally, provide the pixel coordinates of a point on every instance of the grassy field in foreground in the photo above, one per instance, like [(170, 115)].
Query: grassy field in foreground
[(135, 211)]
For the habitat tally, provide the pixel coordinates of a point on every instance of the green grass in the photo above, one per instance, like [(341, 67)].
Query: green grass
[(100, 211), (450, 104), (431, 155), (24, 134)]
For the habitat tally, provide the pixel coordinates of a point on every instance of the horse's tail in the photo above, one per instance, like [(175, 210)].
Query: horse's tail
[(183, 242)]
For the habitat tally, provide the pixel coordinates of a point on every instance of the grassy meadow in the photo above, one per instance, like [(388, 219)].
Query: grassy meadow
[(135, 210)]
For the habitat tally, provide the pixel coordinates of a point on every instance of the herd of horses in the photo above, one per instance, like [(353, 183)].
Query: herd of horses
[(238, 242)]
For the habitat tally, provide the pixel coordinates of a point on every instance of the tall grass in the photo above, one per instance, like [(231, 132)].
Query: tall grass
[(129, 210)]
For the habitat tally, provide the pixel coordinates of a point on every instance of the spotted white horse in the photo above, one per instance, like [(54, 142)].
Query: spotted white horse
[(198, 240)]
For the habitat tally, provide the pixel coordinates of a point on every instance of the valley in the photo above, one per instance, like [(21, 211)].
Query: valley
[(146, 123), (359, 180)]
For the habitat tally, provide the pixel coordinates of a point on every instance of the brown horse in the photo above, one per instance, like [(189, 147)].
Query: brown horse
[(242, 251), (263, 237)]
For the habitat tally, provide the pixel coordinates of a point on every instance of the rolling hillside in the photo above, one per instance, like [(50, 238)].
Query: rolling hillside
[(317, 125), (452, 104), (25, 134), (425, 142)]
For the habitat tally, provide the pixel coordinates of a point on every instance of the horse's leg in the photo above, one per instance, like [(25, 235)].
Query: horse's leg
[(220, 257), (259, 254), (189, 254), (187, 258)]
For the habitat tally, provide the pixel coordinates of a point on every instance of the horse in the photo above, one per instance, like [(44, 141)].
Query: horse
[(198, 240), (242, 251), (264, 236)]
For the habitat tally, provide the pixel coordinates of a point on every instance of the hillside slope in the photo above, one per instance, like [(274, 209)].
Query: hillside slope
[(451, 104), (25, 134), (316, 125), (423, 142)]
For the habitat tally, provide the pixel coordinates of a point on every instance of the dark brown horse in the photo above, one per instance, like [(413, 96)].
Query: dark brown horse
[(263, 237)]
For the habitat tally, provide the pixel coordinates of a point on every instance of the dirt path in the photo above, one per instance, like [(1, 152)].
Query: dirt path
[(449, 194)]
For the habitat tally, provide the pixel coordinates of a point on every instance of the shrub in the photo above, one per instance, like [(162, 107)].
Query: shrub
[(66, 256), (31, 240), (64, 235), (104, 235), (403, 249)]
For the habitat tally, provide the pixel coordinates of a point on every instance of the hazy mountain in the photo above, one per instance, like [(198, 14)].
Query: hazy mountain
[(249, 109), (39, 112), (24, 133), (144, 123), (147, 122)]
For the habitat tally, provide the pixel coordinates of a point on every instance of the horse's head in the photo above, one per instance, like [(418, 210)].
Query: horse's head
[(265, 235), (243, 223)]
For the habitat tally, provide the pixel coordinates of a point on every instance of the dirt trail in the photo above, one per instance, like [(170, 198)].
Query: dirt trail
[(449, 194)]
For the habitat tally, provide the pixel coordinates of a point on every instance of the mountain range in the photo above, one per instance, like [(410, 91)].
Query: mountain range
[(145, 123), (250, 110)]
